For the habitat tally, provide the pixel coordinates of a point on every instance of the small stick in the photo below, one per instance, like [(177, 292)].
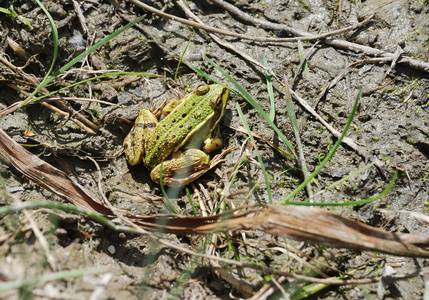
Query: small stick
[(341, 44), (42, 240), (303, 37), (396, 56), (86, 124), (223, 43), (80, 16)]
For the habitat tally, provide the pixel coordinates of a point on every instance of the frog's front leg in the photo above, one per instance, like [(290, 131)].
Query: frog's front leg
[(213, 141), (179, 170), (143, 129)]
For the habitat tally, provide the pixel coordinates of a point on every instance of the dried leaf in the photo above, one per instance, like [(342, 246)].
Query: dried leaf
[(312, 225)]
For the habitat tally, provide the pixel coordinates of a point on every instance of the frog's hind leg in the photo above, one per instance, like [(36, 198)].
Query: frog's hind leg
[(180, 170), (134, 142)]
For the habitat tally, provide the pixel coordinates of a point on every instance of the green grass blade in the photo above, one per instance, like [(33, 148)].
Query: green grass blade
[(301, 54), (96, 78), (164, 193), (188, 193), (292, 117), (308, 290), (5, 11), (348, 177), (13, 13), (13, 208), (360, 202), (243, 93), (54, 37), (246, 126), (183, 54), (330, 154), (79, 57)]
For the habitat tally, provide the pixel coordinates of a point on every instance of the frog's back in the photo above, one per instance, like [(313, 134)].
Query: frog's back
[(182, 123)]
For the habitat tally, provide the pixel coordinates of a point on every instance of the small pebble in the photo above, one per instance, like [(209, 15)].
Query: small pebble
[(111, 249)]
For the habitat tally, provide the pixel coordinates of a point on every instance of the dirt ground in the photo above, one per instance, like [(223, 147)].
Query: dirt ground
[(391, 127)]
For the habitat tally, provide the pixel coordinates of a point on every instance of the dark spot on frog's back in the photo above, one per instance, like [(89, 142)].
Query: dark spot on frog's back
[(181, 126), (184, 115)]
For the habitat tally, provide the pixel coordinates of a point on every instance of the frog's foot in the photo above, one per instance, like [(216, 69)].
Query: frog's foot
[(217, 159), (185, 176), (178, 170)]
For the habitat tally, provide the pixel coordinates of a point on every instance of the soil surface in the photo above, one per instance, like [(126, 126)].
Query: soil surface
[(391, 128)]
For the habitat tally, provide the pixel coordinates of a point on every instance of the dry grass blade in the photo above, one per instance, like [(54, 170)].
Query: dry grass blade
[(315, 226), (46, 175), (318, 226), (80, 120)]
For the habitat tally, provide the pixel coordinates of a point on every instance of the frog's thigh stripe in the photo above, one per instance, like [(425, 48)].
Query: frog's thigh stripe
[(147, 125)]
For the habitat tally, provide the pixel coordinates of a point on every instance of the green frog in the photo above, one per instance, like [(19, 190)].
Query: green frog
[(191, 124)]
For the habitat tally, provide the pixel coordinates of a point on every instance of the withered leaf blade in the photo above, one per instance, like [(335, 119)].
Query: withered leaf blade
[(312, 225), (318, 226), (47, 175)]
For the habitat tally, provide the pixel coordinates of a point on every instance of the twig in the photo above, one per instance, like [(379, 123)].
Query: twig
[(80, 16), (76, 99), (398, 53), (223, 43), (411, 62), (370, 91), (101, 287), (63, 113), (281, 289), (302, 37), (80, 120), (42, 240), (348, 141)]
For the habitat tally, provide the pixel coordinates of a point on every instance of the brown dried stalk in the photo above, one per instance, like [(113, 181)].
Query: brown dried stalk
[(312, 225)]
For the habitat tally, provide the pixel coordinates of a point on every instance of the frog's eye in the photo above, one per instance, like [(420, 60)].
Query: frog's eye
[(215, 102)]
